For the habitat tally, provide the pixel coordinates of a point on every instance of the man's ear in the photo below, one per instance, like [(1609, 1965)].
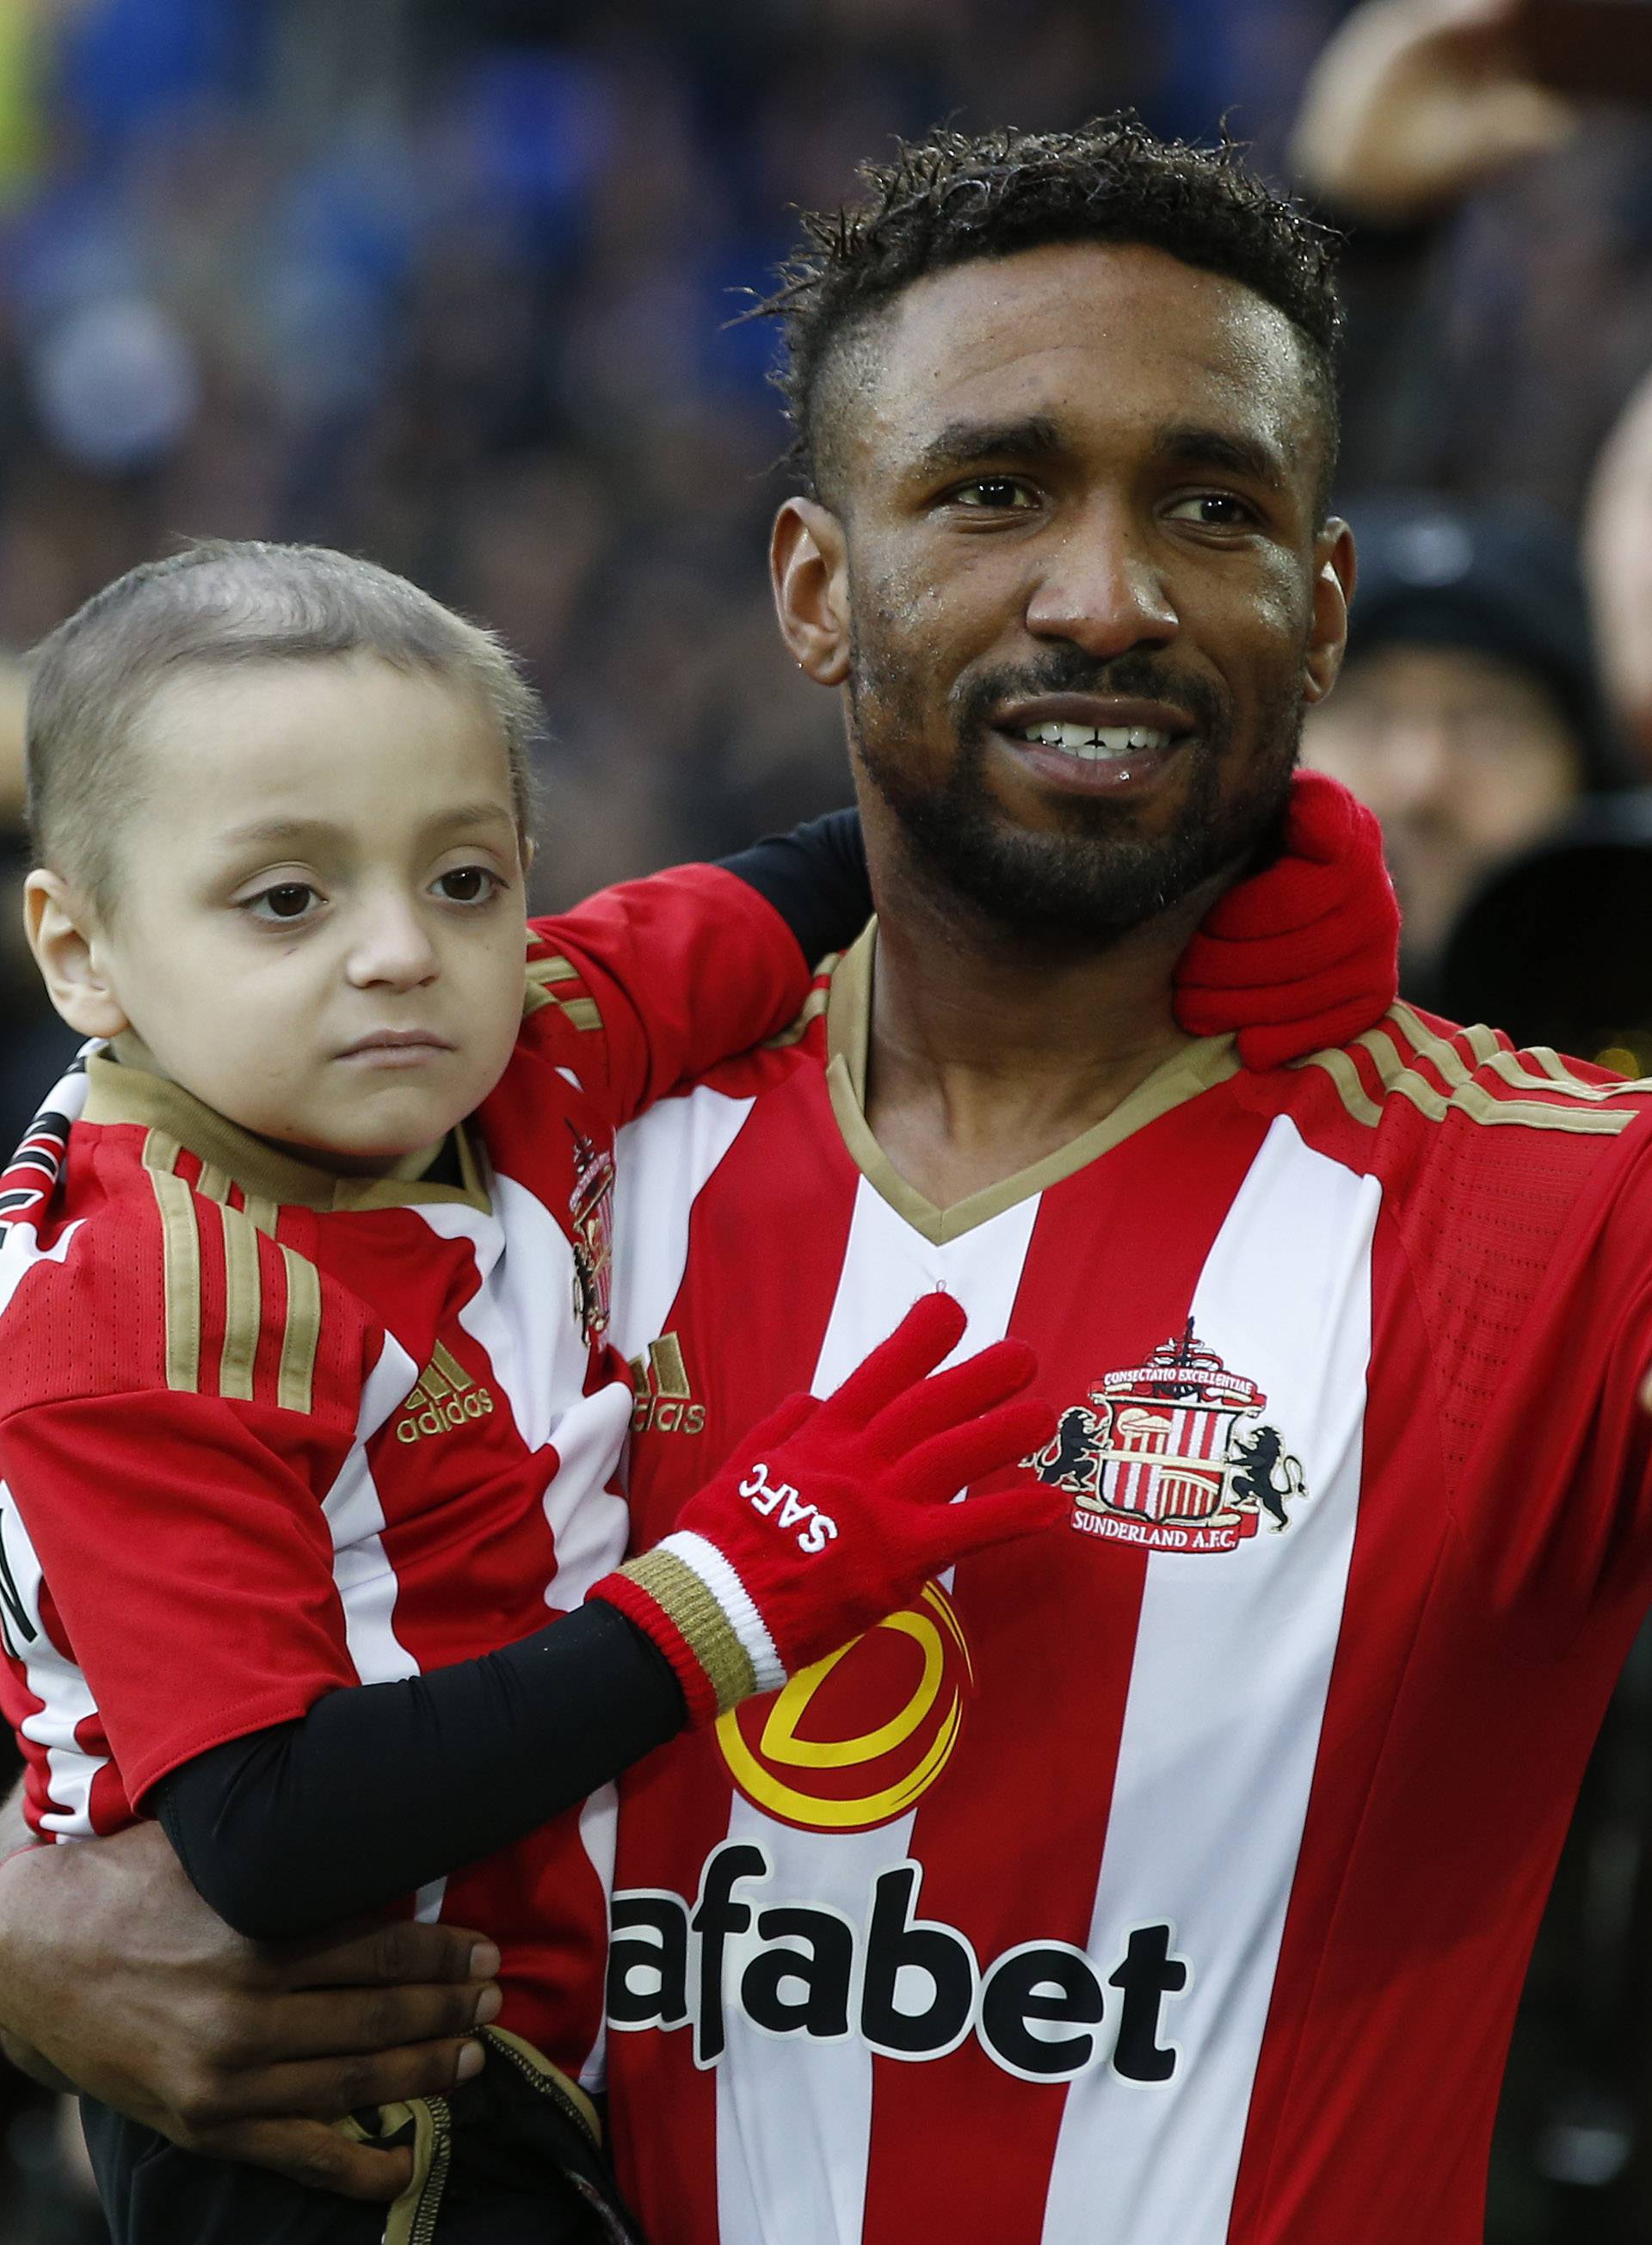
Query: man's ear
[(62, 932), (809, 569), (1334, 573)]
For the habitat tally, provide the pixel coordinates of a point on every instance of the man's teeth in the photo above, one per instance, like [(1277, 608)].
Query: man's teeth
[(1093, 742)]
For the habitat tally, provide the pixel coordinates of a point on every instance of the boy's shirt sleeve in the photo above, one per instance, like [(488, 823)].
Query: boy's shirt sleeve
[(178, 1395), (648, 986), (175, 1548)]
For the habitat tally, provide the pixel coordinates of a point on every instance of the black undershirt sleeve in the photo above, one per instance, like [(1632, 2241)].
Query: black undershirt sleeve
[(381, 1788), (815, 877)]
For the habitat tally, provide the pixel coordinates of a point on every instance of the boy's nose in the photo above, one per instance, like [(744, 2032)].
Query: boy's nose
[(393, 947)]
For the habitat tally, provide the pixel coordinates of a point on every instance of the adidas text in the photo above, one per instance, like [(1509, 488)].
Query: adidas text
[(441, 1417), (664, 1404)]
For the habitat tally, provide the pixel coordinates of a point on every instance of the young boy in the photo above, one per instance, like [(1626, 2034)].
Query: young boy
[(304, 1385)]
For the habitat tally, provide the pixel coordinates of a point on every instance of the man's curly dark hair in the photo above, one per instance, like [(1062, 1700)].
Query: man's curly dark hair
[(953, 198)]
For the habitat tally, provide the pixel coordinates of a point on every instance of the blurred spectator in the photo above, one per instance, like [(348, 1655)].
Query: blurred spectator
[(1415, 102), (1617, 554), (1500, 270), (1556, 946), (1467, 713)]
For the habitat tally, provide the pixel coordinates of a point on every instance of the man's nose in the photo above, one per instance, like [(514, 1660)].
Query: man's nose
[(392, 946), (1099, 589)]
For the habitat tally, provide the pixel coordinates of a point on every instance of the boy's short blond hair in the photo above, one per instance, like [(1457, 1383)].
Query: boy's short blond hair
[(219, 604)]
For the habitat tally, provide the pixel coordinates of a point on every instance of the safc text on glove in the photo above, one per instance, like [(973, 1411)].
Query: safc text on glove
[(832, 1513)]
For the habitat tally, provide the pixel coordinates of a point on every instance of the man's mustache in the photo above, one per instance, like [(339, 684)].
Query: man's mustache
[(1069, 670)]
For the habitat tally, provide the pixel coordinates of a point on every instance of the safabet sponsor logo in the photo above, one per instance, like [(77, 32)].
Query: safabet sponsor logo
[(907, 1986), (854, 1740)]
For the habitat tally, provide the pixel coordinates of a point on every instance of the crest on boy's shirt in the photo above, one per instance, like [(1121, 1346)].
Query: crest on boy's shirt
[(1170, 1454), (591, 1232)]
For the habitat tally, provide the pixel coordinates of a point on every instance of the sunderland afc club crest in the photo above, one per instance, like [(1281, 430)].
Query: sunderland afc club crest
[(591, 1233), (1170, 1454)]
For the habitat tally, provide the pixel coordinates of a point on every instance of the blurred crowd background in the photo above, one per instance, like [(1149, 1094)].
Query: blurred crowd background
[(457, 284)]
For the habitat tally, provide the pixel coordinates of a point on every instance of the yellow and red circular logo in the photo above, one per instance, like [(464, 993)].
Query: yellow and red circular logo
[(853, 1740)]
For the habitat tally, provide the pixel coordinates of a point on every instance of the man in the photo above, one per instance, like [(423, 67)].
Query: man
[(1181, 1934), (1467, 715), (1175, 1886)]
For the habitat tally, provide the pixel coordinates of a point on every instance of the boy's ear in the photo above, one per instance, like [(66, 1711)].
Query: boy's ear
[(62, 935)]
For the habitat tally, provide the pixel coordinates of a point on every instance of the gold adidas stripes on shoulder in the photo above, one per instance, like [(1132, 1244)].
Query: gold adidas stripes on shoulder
[(180, 1260), (581, 1011), (814, 1005), (296, 1384), (244, 1307), (1568, 1103)]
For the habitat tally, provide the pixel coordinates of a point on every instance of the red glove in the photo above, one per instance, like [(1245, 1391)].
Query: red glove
[(1305, 954), (832, 1514)]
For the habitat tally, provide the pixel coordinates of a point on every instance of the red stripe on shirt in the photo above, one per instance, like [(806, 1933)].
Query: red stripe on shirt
[(1113, 1259), (750, 1323)]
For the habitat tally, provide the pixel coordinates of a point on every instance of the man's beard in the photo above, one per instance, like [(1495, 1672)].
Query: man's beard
[(1097, 881)]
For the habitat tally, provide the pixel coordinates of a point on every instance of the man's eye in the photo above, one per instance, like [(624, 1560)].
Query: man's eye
[(993, 494), (468, 885), (287, 900), (1214, 511)]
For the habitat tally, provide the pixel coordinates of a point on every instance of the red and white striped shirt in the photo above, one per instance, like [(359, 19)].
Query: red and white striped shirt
[(1169, 1881), (265, 1432)]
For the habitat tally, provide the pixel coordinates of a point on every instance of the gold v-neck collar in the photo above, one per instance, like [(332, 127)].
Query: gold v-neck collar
[(848, 1027), (121, 1093)]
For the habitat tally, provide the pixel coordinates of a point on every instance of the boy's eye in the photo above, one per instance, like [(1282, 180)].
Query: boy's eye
[(287, 900), (468, 885)]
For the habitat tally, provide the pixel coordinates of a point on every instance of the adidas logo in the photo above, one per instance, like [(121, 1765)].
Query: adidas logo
[(444, 1397), (664, 1396)]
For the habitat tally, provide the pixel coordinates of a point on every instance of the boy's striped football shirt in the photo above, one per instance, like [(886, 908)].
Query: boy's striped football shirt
[(265, 1432)]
